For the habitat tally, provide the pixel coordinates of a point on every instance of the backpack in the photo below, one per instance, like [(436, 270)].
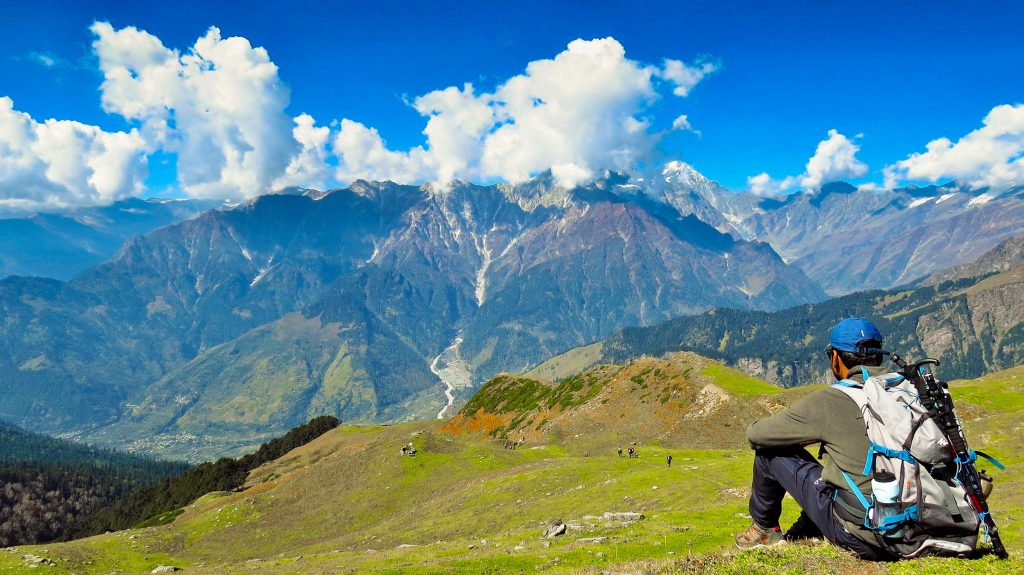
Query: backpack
[(917, 506)]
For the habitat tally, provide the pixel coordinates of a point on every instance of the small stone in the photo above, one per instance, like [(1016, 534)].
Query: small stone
[(471, 546), (623, 516)]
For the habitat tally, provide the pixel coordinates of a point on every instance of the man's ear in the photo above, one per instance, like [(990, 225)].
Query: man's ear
[(838, 369)]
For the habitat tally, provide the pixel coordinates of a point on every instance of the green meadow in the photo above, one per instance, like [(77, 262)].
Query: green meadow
[(349, 503)]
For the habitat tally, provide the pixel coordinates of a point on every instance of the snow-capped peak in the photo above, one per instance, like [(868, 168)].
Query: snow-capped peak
[(684, 173)]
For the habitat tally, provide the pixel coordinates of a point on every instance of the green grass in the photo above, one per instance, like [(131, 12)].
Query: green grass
[(348, 503), (736, 382), (1001, 392)]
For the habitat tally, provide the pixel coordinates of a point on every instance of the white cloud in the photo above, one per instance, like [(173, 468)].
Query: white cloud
[(308, 168), (682, 123), (458, 121), (364, 155), (764, 185), (992, 155), (220, 107), (684, 76), (834, 159), (577, 114), (61, 163)]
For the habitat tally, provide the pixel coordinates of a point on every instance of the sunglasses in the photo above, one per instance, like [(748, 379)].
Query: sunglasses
[(867, 346)]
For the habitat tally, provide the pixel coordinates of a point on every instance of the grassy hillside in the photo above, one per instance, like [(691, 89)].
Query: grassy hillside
[(684, 399), (349, 503)]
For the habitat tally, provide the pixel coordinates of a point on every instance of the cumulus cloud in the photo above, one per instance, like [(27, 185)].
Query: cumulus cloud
[(992, 155), (61, 163), (457, 124), (764, 185), (220, 107), (834, 159), (685, 76), (365, 155), (309, 167), (577, 114)]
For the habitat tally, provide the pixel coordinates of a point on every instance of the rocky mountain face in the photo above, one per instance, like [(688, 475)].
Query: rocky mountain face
[(212, 334), (384, 302), (848, 239), (60, 245), (1001, 258), (973, 326)]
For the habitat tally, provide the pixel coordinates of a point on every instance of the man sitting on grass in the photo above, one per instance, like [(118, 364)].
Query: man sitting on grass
[(782, 465)]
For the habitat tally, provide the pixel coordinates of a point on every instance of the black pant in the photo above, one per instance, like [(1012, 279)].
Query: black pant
[(793, 470)]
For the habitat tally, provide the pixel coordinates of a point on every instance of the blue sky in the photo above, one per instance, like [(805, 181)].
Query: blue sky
[(899, 74)]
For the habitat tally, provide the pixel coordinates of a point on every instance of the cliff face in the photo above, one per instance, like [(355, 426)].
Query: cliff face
[(980, 329), (1004, 257)]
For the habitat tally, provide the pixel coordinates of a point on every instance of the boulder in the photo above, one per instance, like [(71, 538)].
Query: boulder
[(555, 528), (166, 569)]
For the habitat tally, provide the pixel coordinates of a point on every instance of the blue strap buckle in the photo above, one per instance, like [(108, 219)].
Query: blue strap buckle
[(972, 456), (883, 450)]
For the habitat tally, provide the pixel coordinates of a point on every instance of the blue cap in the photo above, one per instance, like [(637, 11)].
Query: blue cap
[(848, 334)]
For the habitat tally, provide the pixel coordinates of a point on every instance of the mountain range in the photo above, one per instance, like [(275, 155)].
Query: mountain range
[(239, 323), (384, 302), (848, 239), (62, 244)]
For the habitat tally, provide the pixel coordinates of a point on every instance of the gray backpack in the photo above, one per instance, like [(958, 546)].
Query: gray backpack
[(917, 507)]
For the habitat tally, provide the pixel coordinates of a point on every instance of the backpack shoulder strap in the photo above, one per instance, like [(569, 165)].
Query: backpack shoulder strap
[(854, 391)]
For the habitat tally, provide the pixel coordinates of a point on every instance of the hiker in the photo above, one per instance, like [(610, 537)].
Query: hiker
[(620, 452), (668, 459), (632, 452), (828, 417)]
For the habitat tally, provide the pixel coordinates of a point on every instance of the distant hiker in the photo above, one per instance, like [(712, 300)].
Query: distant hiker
[(620, 452), (632, 452), (668, 459), (835, 494)]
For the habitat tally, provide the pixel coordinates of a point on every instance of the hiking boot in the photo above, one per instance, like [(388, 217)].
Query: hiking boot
[(757, 536), (803, 528)]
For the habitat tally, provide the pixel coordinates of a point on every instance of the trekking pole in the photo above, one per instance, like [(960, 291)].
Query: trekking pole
[(934, 395)]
